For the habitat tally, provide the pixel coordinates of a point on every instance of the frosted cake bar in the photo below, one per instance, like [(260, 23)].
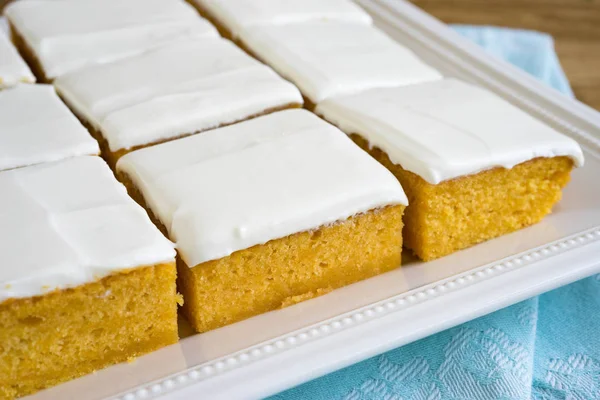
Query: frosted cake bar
[(13, 69), (36, 127), (268, 212), (326, 59), (473, 165), (89, 280), (230, 16), (177, 90), (57, 37)]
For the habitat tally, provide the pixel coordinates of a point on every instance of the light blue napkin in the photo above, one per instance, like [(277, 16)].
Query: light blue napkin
[(544, 348), (529, 50)]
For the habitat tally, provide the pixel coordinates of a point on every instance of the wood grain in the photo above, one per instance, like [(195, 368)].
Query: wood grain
[(574, 24)]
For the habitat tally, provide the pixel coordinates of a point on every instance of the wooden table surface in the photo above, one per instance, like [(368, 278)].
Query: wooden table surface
[(574, 24)]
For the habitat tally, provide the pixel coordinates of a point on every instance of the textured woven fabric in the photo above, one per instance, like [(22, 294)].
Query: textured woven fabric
[(544, 348)]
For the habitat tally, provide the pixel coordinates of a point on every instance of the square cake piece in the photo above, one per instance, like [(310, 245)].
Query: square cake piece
[(87, 279), (473, 166), (36, 126), (13, 69), (173, 91), (268, 212), (230, 16), (327, 59), (57, 37)]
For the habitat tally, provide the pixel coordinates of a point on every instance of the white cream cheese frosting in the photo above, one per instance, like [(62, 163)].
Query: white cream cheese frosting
[(327, 59), (183, 88), (66, 35), (447, 129), (13, 69), (69, 223), (36, 127), (236, 14), (243, 185)]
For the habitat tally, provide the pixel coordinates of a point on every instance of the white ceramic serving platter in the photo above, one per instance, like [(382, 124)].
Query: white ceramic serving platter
[(275, 351)]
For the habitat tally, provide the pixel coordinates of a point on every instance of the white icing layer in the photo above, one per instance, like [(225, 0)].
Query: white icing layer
[(447, 129), (236, 187), (12, 67), (68, 223), (66, 35), (327, 59), (182, 88), (36, 127), (236, 14)]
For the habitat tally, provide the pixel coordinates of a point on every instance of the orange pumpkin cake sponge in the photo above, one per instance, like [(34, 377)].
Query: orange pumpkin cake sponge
[(268, 212), (473, 166), (86, 281)]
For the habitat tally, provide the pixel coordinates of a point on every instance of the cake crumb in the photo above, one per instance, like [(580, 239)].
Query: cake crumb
[(290, 301)]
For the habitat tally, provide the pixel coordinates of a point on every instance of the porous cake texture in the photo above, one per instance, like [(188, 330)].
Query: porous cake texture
[(268, 212), (91, 280), (57, 37), (461, 212), (173, 91), (36, 127), (473, 166), (328, 58), (13, 69), (230, 16)]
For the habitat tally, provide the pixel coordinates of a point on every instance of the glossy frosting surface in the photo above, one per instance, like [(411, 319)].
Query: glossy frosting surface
[(36, 127), (447, 129), (13, 69), (66, 35), (239, 186), (68, 223), (327, 59), (235, 14), (183, 88)]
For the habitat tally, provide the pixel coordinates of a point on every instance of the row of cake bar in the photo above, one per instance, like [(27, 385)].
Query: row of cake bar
[(191, 80), (142, 91), (258, 209), (273, 207)]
